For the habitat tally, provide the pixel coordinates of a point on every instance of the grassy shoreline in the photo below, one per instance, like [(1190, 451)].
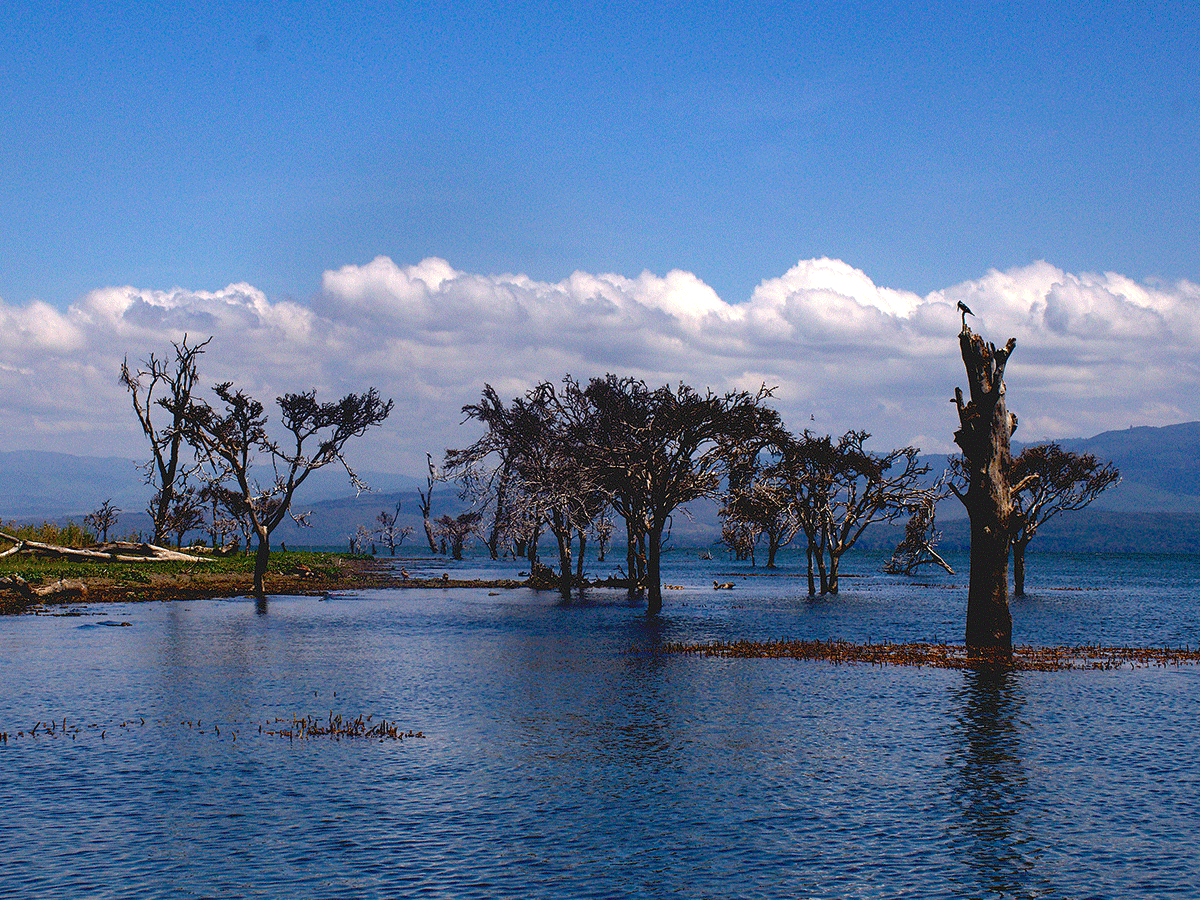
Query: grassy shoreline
[(292, 572)]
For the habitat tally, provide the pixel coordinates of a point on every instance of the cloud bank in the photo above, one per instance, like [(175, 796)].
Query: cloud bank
[(1094, 351)]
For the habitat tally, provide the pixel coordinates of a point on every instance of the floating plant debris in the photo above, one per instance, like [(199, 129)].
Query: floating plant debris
[(298, 728), (295, 728), (946, 656)]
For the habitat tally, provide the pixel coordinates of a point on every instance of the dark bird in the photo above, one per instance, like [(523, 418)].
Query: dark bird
[(966, 311)]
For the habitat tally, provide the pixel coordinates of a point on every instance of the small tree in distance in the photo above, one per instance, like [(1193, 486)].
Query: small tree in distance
[(457, 530), (389, 532), (102, 519)]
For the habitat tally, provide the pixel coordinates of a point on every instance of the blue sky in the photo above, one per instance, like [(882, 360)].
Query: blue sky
[(428, 196), (216, 143)]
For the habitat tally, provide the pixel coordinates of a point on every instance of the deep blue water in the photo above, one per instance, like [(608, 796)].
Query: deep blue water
[(562, 758)]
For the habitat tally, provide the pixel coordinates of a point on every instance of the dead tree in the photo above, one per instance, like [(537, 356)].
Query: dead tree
[(427, 503), (986, 427), (103, 519), (920, 538), (456, 531), (169, 386), (391, 533)]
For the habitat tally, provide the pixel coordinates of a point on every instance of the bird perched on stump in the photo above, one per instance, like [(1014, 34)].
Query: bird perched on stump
[(966, 311)]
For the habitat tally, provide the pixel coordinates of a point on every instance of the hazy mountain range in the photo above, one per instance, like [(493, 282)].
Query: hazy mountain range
[(1156, 507)]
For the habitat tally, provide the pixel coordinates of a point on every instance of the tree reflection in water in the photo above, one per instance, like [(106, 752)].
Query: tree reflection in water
[(991, 785)]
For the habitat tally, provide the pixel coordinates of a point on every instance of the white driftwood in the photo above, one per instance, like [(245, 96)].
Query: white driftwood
[(118, 551)]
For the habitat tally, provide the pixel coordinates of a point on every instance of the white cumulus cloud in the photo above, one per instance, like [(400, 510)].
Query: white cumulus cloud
[(1094, 351)]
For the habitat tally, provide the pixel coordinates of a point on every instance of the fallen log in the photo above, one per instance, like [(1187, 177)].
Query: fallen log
[(116, 551)]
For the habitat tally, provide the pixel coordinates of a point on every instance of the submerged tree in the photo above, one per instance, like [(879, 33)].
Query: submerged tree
[(427, 503), (567, 454), (457, 530), (226, 442), (986, 427), (920, 538), (167, 385), (656, 450), (759, 502), (530, 464), (1053, 480), (860, 489)]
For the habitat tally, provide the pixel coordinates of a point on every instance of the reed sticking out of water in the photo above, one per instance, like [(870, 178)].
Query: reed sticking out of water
[(296, 728), (299, 728), (945, 656)]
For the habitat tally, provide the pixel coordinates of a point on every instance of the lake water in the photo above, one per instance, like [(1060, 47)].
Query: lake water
[(562, 757)]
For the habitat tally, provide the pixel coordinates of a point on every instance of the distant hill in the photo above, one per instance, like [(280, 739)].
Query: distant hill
[(39, 485), (1160, 469), (1155, 508)]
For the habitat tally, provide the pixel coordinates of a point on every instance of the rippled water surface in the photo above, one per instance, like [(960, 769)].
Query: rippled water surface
[(562, 757)]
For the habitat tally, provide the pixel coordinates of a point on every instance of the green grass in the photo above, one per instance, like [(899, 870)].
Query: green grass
[(41, 571), (70, 535)]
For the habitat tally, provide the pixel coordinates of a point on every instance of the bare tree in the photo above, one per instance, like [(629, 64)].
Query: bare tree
[(389, 532), (427, 502), (531, 463), (741, 536), (602, 529), (1052, 480), (759, 502), (867, 488), (102, 519), (167, 385), (485, 469), (226, 443)]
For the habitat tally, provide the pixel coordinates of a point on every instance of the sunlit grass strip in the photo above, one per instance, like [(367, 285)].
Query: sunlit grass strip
[(337, 727), (945, 656)]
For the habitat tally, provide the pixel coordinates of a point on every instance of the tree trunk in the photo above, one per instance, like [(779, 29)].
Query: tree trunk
[(831, 584), (493, 542), (772, 549), (579, 564), (630, 560), (822, 572), (984, 437), (1018, 549), (165, 495), (429, 536), (812, 587), (653, 579), (261, 558), (562, 534)]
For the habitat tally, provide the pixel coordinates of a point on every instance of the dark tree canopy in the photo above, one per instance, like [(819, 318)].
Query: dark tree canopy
[(1053, 480), (839, 489), (228, 441), (558, 457), (656, 450)]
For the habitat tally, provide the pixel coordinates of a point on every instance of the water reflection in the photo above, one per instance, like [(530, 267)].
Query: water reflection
[(990, 784)]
